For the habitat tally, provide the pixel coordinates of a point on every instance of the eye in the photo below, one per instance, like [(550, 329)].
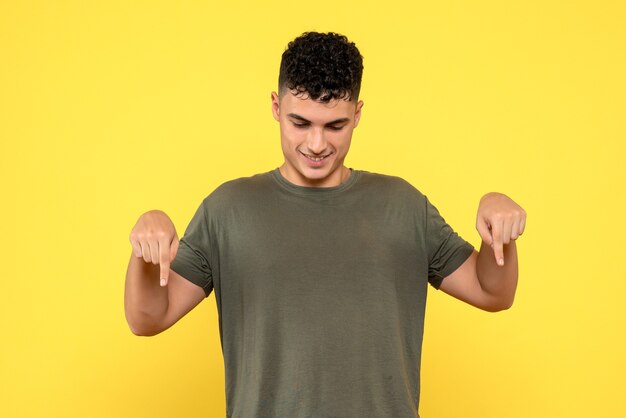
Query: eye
[(335, 128), (300, 125)]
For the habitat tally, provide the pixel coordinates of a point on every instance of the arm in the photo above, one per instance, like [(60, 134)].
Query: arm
[(155, 297), (482, 280)]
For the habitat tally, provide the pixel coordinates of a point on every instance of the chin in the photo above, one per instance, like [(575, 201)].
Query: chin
[(315, 176)]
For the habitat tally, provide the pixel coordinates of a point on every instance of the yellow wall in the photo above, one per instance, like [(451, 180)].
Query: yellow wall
[(111, 109)]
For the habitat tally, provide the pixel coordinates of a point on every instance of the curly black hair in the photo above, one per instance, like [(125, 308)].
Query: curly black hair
[(325, 66)]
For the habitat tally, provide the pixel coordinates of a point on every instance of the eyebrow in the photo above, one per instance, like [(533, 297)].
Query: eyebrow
[(295, 116)]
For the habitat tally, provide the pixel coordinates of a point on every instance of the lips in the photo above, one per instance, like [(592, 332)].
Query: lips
[(316, 158)]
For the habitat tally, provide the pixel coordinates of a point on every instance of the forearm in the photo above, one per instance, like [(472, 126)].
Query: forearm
[(500, 282), (145, 301)]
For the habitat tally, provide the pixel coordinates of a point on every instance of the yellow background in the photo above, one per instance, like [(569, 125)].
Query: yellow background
[(111, 109)]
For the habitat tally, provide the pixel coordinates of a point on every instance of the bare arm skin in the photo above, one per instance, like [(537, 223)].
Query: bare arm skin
[(150, 307), (484, 280)]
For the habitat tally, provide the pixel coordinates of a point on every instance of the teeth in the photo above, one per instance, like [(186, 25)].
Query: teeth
[(310, 157)]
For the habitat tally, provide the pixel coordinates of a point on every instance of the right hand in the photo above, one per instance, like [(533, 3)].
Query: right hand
[(154, 238)]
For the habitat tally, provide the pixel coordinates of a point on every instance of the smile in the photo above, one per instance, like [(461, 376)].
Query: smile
[(314, 158)]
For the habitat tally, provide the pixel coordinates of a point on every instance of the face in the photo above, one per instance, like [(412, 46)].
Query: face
[(315, 138)]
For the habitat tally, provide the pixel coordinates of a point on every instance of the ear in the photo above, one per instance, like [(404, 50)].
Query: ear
[(275, 106), (357, 113)]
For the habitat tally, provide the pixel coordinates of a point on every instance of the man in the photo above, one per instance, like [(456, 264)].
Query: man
[(320, 271)]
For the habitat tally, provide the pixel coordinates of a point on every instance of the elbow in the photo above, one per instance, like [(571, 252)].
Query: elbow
[(142, 329), (500, 306), (138, 331)]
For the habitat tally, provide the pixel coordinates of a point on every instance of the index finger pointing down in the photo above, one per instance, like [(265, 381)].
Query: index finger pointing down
[(498, 250), (164, 261)]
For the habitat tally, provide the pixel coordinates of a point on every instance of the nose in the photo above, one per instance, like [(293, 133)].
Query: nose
[(316, 142)]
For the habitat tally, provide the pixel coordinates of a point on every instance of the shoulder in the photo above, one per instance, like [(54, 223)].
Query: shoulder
[(244, 184), (390, 185), (239, 189)]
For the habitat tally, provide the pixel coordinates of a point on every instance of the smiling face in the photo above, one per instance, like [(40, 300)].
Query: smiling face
[(315, 138)]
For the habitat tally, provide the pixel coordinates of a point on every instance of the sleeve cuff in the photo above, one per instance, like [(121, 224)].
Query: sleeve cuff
[(190, 264)]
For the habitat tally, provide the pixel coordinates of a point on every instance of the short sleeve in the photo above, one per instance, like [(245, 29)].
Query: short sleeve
[(446, 249), (191, 260)]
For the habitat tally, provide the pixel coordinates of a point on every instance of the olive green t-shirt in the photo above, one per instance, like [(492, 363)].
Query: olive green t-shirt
[(320, 292)]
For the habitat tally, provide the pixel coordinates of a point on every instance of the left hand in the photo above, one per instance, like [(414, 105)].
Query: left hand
[(499, 221)]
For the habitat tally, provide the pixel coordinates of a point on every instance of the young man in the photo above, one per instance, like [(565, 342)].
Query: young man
[(320, 271)]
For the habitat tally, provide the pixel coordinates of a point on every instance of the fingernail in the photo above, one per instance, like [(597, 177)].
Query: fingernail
[(162, 282), (501, 261)]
